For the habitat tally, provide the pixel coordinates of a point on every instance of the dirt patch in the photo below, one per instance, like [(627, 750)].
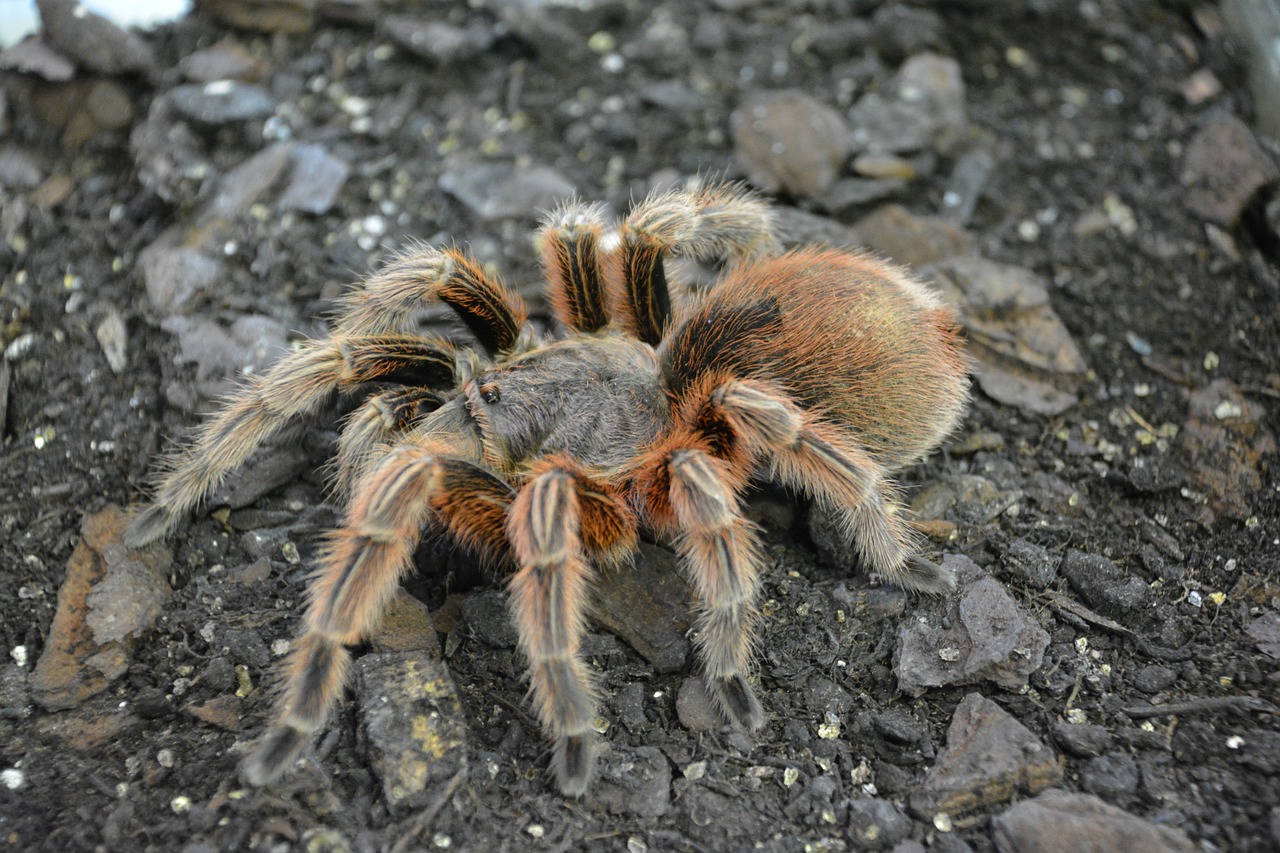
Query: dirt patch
[(163, 227)]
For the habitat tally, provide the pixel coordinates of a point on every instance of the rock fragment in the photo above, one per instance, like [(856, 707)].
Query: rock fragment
[(437, 41), (1223, 168), (648, 606), (414, 722), (1057, 821), (633, 781), (315, 180), (1026, 356), (1224, 442), (1103, 585), (505, 191), (989, 758), (789, 141), (111, 597), (986, 636), (909, 239), (222, 102), (922, 107), (92, 41)]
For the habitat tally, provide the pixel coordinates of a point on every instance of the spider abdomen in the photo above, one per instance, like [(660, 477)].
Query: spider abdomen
[(858, 341)]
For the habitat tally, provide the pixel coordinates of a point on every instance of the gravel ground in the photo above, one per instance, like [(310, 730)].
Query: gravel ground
[(1081, 178)]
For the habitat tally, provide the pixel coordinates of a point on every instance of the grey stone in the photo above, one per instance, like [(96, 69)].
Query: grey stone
[(92, 41), (922, 107), (1031, 563), (876, 824), (1059, 822), (222, 101), (1114, 778), (633, 781), (1104, 585), (985, 635), (789, 140), (989, 758), (649, 606), (1082, 740), (315, 180), (504, 191), (175, 276), (414, 722)]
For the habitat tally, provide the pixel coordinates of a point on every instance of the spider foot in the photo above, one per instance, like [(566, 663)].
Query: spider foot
[(737, 701), (573, 761), (274, 755), (147, 526), (920, 575)]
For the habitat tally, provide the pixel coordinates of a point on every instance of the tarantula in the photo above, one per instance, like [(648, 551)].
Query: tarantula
[(828, 369)]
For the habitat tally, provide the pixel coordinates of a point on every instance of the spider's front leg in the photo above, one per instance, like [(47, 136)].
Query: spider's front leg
[(360, 571), (558, 518)]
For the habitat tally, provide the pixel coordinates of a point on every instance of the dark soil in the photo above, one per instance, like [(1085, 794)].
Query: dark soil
[(1146, 305)]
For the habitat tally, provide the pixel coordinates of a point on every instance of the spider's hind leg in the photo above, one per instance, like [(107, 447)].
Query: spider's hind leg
[(393, 297), (718, 221), (571, 255), (806, 455)]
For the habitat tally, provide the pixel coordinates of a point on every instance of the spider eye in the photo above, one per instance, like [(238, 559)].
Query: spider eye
[(489, 393)]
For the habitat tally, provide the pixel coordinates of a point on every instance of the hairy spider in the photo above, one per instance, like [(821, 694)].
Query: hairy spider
[(827, 368)]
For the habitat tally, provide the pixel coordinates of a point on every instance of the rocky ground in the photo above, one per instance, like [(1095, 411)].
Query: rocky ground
[(1080, 176)]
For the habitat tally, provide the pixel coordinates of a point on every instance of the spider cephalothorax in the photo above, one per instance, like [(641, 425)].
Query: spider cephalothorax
[(826, 368)]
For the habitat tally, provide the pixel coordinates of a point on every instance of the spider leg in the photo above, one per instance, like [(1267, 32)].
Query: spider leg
[(554, 519), (393, 297), (570, 239), (375, 424), (806, 455), (694, 494), (721, 221), (359, 572), (295, 386)]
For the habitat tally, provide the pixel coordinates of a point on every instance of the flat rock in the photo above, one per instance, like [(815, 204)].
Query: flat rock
[(910, 239), (989, 758), (18, 169), (1061, 822), (633, 781), (1265, 633), (789, 141), (92, 41), (33, 55), (414, 723), (986, 636), (876, 824), (505, 191), (110, 599), (250, 344), (922, 107), (1223, 168), (1025, 355), (226, 60), (1103, 585), (437, 41), (1224, 442), (648, 606), (222, 101), (315, 180), (175, 276)]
